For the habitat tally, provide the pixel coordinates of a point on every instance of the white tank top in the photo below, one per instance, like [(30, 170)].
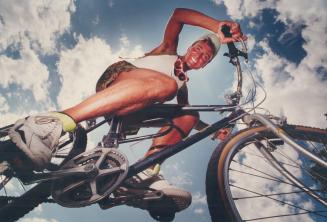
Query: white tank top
[(160, 63)]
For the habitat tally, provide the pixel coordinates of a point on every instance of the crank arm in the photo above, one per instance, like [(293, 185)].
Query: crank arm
[(81, 171), (116, 201)]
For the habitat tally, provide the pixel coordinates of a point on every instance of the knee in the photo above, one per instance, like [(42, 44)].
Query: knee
[(165, 88)]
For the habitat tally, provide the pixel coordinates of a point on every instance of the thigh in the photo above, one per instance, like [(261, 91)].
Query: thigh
[(123, 71)]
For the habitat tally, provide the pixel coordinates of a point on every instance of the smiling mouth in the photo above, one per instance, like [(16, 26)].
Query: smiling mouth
[(193, 60)]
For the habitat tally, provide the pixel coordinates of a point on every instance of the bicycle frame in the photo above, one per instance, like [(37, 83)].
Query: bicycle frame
[(113, 140)]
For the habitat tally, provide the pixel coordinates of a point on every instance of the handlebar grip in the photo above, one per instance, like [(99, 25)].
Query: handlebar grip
[(232, 50), (226, 31)]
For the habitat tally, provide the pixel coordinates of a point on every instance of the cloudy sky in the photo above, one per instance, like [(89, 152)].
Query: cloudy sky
[(52, 53)]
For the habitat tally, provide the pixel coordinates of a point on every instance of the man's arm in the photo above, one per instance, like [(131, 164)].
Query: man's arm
[(183, 16)]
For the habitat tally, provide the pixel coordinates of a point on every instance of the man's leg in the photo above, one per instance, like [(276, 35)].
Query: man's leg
[(175, 199), (183, 126), (130, 92), (38, 135)]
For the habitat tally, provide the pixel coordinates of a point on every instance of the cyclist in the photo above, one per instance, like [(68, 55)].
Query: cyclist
[(127, 86)]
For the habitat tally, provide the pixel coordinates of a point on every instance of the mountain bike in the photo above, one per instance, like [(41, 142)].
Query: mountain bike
[(268, 170)]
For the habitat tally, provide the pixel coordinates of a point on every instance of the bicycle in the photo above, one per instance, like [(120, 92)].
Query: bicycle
[(80, 178)]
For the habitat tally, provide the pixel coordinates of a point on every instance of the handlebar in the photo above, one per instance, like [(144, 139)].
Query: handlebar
[(232, 50), (233, 54)]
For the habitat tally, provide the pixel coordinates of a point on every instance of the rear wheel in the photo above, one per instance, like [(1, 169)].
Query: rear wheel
[(242, 185)]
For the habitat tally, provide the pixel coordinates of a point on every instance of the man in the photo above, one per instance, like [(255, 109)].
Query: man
[(128, 86)]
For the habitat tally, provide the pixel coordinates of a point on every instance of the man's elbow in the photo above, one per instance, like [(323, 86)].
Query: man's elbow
[(178, 12)]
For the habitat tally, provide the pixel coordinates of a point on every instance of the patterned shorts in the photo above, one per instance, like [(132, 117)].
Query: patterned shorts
[(112, 72)]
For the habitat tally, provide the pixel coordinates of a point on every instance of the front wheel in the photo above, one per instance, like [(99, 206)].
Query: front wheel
[(242, 185)]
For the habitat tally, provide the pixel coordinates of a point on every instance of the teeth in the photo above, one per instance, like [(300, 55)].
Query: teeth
[(193, 60)]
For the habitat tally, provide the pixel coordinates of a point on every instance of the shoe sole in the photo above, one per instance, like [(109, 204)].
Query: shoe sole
[(174, 199)]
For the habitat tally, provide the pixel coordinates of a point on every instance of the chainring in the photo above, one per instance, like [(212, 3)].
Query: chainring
[(76, 191)]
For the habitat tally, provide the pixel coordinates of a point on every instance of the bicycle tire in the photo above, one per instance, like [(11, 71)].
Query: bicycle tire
[(13, 209), (222, 206)]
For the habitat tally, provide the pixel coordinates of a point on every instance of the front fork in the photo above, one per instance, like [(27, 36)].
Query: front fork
[(264, 120), (266, 152)]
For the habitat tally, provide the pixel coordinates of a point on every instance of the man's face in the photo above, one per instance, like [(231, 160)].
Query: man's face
[(198, 55)]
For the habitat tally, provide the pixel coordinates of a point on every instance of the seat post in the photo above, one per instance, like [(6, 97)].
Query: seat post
[(111, 140)]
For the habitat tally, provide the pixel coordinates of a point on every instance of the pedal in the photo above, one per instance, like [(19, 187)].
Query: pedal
[(122, 200)]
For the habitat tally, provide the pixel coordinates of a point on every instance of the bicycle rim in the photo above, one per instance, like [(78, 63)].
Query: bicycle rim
[(243, 186)]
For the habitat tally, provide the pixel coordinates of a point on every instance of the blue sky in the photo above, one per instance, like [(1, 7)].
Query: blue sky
[(52, 52)]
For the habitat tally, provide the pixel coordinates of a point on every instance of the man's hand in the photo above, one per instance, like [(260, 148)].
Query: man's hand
[(235, 31)]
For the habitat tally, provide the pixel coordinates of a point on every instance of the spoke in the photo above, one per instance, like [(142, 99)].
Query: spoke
[(316, 150), (298, 166), (269, 195), (280, 201), (259, 156), (271, 176), (301, 167), (286, 215), (255, 175)]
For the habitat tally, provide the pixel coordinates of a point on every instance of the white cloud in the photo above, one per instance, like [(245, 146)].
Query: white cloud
[(292, 13), (199, 198), (3, 105), (177, 175), (81, 67), (10, 118), (38, 209), (238, 9), (181, 180), (28, 72), (311, 14), (199, 201), (39, 21), (218, 2), (296, 91), (234, 8), (199, 211), (31, 28), (250, 42), (96, 20), (37, 219), (111, 3)]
